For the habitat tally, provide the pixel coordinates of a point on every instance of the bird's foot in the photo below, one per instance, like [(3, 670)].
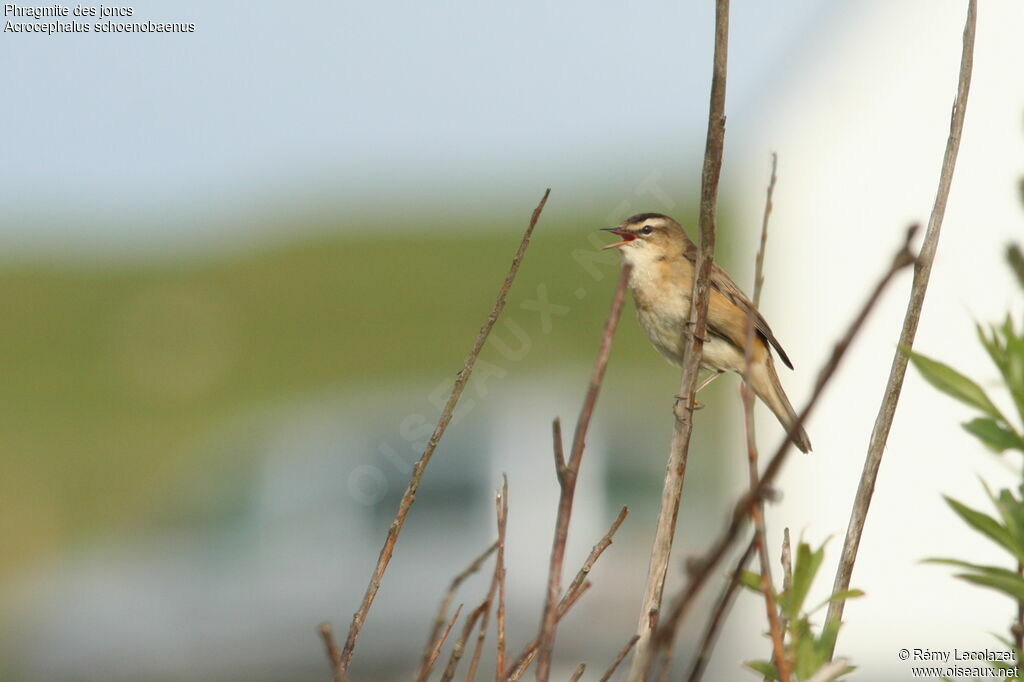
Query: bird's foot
[(697, 405)]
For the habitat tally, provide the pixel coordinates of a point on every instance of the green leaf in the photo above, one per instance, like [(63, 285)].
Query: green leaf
[(827, 641), (985, 570), (1013, 253), (987, 526), (993, 436), (763, 668), (807, 658), (804, 570), (751, 580), (995, 349), (842, 595), (954, 384), (1011, 585), (1006, 581)]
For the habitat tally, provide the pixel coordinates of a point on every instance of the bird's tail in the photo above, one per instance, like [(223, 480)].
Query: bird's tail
[(767, 387)]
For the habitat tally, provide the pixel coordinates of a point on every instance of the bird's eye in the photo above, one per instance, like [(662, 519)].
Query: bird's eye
[(647, 229)]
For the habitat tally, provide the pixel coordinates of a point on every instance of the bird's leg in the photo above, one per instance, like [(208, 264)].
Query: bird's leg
[(707, 380)]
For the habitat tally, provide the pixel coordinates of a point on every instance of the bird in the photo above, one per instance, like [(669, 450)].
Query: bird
[(663, 261)]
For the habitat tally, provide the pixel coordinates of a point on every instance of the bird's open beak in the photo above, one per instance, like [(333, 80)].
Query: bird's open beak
[(627, 237)]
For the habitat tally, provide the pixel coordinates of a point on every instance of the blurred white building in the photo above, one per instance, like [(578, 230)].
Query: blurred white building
[(860, 124)]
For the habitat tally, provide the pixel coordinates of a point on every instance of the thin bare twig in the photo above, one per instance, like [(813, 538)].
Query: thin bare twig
[(460, 645), (502, 508), (446, 600), (526, 657), (333, 652), (572, 593), (702, 570), (922, 271), (428, 664), (568, 476), (359, 617), (718, 613), (597, 550), (775, 628), (497, 582), (759, 259), (556, 436), (757, 514), (618, 659), (578, 673), (679, 448)]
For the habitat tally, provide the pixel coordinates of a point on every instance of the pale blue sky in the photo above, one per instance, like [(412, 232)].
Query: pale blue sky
[(336, 100)]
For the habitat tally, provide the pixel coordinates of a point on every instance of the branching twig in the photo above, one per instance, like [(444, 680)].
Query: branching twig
[(442, 609), (497, 582), (333, 652), (525, 658), (775, 628), (460, 645), (668, 627), (759, 259), (757, 514), (359, 617), (718, 614), (567, 477), (679, 448), (578, 672), (572, 593), (887, 410), (428, 664)]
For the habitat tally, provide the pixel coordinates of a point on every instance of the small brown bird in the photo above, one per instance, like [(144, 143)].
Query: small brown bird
[(663, 260)]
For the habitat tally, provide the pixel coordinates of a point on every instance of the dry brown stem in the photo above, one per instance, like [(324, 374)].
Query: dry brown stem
[(428, 664), (567, 477), (679, 448), (333, 652), (918, 289), (501, 502), (446, 600), (702, 570), (576, 588), (359, 617), (460, 646)]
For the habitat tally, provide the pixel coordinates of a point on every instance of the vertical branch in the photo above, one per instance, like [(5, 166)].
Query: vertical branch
[(333, 652), (922, 271), (768, 206), (567, 479), (446, 600), (576, 588), (497, 584), (775, 628), (435, 651), (668, 628), (683, 410), (499, 570), (757, 514), (359, 617)]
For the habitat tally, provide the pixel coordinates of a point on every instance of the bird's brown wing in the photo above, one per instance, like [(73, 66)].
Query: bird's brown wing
[(723, 284)]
